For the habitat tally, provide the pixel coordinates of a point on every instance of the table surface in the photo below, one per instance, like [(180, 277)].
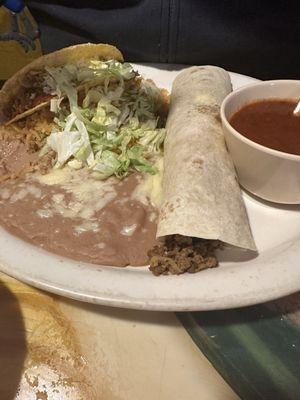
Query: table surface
[(52, 348)]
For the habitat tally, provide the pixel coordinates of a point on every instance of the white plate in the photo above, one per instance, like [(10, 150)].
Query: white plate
[(239, 281)]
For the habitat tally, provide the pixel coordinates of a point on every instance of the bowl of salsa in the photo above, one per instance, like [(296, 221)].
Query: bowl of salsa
[(263, 137)]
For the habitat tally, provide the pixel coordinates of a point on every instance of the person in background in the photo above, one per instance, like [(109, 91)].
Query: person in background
[(253, 37)]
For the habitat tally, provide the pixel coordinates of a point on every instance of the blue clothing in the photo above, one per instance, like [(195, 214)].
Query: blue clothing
[(253, 37)]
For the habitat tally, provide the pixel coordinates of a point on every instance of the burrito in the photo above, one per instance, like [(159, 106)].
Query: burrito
[(202, 203)]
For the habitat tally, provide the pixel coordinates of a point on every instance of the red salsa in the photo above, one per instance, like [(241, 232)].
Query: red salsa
[(270, 123)]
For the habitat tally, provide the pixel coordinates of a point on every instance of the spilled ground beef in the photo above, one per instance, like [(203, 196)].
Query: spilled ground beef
[(179, 254)]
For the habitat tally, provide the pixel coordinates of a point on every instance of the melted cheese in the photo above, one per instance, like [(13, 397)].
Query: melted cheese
[(204, 98), (128, 230), (44, 213), (23, 191), (86, 194), (150, 188), (87, 226), (56, 177)]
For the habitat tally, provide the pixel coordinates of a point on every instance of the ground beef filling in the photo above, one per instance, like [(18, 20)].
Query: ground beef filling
[(179, 254), (28, 100), (32, 92)]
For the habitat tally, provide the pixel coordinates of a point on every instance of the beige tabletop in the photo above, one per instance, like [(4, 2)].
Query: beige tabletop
[(55, 349)]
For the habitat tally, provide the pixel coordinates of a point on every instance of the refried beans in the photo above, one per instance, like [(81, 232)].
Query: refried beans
[(76, 216), (14, 157)]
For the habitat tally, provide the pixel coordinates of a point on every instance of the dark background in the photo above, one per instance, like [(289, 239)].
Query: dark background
[(260, 38)]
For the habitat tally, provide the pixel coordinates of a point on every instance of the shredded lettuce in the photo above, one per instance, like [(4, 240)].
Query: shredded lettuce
[(106, 164), (63, 81), (72, 141), (115, 129)]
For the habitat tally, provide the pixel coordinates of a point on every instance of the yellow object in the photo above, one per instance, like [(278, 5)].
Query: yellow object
[(19, 44)]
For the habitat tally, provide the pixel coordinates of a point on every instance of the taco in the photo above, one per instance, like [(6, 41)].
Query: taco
[(32, 88)]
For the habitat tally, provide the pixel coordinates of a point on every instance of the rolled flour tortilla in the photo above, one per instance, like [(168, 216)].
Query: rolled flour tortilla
[(201, 195)]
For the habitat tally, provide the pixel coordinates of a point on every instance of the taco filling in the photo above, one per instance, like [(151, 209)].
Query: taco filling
[(38, 87)]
